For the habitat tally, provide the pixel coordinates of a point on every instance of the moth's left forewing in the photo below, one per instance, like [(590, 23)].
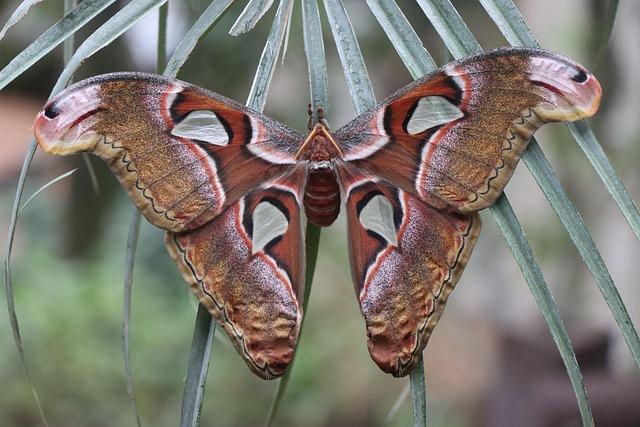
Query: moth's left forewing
[(406, 257), (454, 137), (246, 266)]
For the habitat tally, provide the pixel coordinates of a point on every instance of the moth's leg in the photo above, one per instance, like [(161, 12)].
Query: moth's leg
[(310, 113)]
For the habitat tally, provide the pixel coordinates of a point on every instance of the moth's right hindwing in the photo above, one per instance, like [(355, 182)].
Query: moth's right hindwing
[(406, 257)]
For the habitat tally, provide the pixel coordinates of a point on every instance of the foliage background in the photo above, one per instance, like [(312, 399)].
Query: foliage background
[(491, 358)]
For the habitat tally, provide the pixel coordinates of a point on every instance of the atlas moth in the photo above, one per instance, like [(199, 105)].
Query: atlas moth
[(229, 185)]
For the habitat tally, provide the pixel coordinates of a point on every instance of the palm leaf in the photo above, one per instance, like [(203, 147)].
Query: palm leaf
[(51, 38), (17, 15), (45, 186), (262, 79), (132, 245), (459, 41), (250, 15)]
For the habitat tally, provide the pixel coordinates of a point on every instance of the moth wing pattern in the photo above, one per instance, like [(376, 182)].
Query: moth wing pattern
[(454, 137), (227, 185), (246, 266), (406, 258), (181, 152)]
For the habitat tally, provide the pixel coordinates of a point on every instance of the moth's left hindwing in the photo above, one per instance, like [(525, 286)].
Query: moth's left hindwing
[(220, 178), (406, 257), (247, 267), (181, 152)]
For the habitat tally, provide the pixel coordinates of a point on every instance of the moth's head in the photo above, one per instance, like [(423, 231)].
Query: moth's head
[(64, 126)]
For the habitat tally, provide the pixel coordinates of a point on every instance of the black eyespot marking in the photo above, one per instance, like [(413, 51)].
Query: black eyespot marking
[(580, 77), (51, 112)]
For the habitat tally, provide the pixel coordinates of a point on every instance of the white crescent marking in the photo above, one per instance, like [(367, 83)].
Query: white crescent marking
[(377, 216), (432, 111), (202, 125)]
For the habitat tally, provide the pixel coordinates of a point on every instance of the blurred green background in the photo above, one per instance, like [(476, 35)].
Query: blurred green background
[(490, 362)]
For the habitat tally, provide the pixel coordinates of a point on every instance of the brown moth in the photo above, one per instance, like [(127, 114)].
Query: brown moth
[(228, 184)]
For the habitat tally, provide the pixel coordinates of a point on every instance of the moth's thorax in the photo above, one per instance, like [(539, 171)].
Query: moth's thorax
[(322, 192)]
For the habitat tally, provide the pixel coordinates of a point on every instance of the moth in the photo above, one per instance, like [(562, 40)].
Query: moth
[(229, 186)]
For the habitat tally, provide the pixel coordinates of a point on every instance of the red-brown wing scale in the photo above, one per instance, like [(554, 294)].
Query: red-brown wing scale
[(253, 289), (453, 137), (137, 123)]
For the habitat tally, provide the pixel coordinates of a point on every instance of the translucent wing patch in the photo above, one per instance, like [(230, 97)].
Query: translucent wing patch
[(376, 216), (429, 112), (269, 223), (202, 125)]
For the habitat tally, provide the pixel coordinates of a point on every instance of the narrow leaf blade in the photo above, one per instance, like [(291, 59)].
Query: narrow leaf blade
[(199, 29), (45, 186), (515, 237), (105, 35), (419, 394), (8, 284), (250, 15), (402, 36), (316, 63), (51, 38), (605, 33), (355, 72), (17, 15), (269, 58), (132, 245), (452, 29), (198, 368), (315, 53)]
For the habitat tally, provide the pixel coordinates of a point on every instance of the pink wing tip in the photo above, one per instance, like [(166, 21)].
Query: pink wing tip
[(44, 131), (593, 86), (58, 129)]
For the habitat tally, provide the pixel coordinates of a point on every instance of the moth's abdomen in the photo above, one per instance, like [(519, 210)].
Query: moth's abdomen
[(322, 195)]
